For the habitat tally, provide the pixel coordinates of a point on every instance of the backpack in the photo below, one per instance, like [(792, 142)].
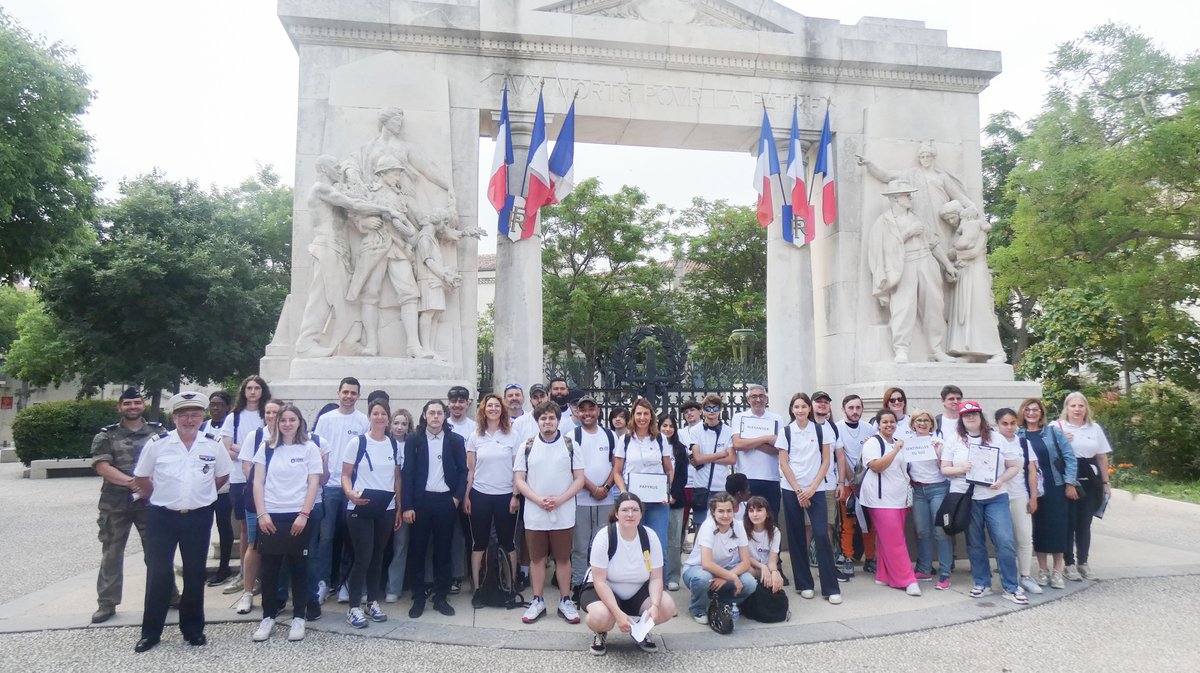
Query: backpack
[(766, 606), (248, 492), (566, 440), (362, 453), (496, 586), (612, 440), (787, 433), (643, 540)]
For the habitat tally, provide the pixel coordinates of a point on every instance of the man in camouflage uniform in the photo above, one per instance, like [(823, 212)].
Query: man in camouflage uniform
[(115, 451)]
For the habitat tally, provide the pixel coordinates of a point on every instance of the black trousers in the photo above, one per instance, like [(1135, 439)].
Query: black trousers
[(166, 531), (767, 489), (435, 522), (491, 511), (223, 512), (369, 536)]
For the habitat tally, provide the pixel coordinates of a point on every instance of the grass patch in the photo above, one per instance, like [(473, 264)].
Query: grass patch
[(1136, 480)]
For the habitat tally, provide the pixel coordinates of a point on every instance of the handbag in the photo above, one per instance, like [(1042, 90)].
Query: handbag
[(720, 614), (954, 516), (766, 606)]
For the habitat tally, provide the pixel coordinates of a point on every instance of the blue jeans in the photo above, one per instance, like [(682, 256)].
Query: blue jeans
[(395, 573), (315, 520), (335, 507), (697, 580), (995, 515), (927, 500), (656, 518)]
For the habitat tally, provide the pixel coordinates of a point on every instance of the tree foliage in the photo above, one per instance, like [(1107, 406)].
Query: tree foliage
[(181, 284), (13, 302), (46, 192), (1106, 187), (598, 273), (725, 287)]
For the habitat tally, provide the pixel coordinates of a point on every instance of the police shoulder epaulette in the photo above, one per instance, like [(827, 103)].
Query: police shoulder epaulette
[(154, 424), (109, 427), (162, 435), (211, 436)]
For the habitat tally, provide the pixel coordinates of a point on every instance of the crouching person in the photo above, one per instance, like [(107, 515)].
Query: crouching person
[(720, 560)]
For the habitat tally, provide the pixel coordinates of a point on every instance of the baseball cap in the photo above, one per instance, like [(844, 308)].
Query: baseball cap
[(537, 389), (586, 399), (188, 400), (821, 394), (969, 406)]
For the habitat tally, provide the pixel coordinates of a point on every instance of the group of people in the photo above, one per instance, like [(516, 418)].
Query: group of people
[(367, 506)]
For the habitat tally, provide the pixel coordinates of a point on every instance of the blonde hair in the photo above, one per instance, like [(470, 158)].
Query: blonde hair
[(921, 413), (1087, 407)]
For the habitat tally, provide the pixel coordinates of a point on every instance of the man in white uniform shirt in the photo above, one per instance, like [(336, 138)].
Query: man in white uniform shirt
[(180, 472), (594, 447), (754, 434), (713, 453), (336, 428), (461, 421)]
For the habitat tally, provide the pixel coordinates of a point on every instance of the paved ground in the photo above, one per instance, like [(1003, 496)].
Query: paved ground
[(1141, 614)]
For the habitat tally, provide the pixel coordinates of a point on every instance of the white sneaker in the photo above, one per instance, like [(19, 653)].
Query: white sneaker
[(322, 591), (672, 586), (537, 608), (566, 608), (834, 599), (391, 598), (343, 594), (807, 593), (296, 632), (264, 630), (913, 589), (1031, 585), (700, 619), (245, 604)]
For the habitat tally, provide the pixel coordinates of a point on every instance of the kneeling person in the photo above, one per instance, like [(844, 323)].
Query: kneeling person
[(626, 581)]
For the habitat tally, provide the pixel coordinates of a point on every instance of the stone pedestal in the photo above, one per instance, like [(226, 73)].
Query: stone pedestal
[(992, 385)]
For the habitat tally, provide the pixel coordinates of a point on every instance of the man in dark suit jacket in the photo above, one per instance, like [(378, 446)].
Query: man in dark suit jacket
[(434, 483)]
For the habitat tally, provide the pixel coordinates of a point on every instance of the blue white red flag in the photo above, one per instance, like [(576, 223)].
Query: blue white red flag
[(498, 193), (562, 160), (824, 168), (768, 165), (799, 208), (538, 191)]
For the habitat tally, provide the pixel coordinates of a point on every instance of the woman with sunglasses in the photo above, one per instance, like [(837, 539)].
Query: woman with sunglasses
[(930, 487), (1056, 456), (896, 401), (626, 581)]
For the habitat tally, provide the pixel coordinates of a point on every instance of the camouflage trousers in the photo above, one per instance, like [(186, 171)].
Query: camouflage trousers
[(114, 534)]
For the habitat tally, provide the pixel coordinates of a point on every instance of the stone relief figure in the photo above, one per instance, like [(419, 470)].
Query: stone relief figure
[(973, 331), (904, 254), (935, 186), (389, 143), (434, 278), (326, 310), (385, 252)]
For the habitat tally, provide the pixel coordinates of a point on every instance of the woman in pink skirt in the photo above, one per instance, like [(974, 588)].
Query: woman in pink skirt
[(884, 495)]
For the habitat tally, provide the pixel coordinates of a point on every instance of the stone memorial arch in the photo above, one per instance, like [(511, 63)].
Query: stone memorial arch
[(394, 96)]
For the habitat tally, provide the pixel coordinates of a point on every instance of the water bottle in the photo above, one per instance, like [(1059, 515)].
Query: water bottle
[(736, 611)]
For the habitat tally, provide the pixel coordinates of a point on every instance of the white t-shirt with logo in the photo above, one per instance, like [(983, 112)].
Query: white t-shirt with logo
[(463, 428), (591, 451), (804, 455), (627, 570), (1088, 441), (549, 471), (494, 455), (757, 464), (887, 489), (377, 470), (725, 546), (338, 429), (239, 429), (761, 548), (286, 482), (687, 435)]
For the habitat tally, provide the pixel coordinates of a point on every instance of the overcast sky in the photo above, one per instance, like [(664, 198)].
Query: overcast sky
[(207, 90)]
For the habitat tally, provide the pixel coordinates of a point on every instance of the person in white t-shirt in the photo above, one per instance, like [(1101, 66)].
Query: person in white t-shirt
[(369, 481), (947, 421), (523, 424), (754, 433), (804, 459), (720, 560), (549, 475), (626, 581), (491, 502), (250, 446), (689, 428), (831, 486), (668, 427), (287, 475), (896, 401), (853, 433), (594, 446), (458, 398), (336, 428), (643, 452), (402, 423), (929, 488), (713, 453), (989, 504), (763, 544), (560, 394), (1091, 456), (246, 417), (884, 494), (1022, 496)]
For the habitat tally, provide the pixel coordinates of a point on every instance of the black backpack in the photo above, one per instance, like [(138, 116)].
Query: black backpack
[(496, 588), (766, 606), (643, 540)]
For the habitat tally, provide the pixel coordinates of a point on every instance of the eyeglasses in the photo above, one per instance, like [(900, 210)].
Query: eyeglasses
[(926, 421), (712, 408)]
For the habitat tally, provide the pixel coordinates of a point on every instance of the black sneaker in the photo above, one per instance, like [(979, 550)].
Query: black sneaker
[(841, 577), (869, 566), (599, 647), (219, 577), (455, 587), (477, 599), (312, 611)]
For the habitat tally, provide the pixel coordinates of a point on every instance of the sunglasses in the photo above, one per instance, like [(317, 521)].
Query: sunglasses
[(511, 386), (712, 408), (894, 400)]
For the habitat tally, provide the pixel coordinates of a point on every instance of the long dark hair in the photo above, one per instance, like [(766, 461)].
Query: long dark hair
[(262, 401), (807, 400), (421, 424), (985, 428), (381, 402), (759, 502), (677, 446)]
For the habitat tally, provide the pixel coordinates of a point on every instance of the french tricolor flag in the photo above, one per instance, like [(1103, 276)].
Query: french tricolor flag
[(768, 165), (539, 190), (799, 205), (497, 191), (824, 168), (562, 160)]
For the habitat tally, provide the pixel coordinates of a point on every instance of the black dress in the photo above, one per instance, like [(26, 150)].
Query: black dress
[(1050, 532)]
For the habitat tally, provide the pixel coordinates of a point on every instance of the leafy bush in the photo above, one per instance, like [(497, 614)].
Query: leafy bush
[(61, 429), (1157, 428)]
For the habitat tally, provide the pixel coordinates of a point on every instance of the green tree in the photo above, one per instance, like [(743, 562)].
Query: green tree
[(725, 286), (47, 195), (13, 302), (175, 288), (39, 355), (599, 278), (1105, 188)]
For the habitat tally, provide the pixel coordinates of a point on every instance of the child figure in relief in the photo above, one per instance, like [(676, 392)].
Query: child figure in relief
[(972, 332)]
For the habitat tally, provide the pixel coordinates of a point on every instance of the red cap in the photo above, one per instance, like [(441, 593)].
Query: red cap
[(969, 406)]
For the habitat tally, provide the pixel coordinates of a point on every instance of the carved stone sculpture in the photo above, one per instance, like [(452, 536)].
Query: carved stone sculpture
[(934, 186), (904, 255), (973, 331)]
